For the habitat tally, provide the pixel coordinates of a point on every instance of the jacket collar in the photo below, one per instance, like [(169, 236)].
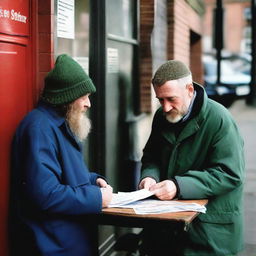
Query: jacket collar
[(58, 121), (51, 113)]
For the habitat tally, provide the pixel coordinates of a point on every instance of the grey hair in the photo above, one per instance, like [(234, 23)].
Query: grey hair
[(181, 81), (185, 80)]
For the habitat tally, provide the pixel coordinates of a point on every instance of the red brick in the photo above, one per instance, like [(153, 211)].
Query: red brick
[(45, 7), (45, 43), (46, 23), (45, 62)]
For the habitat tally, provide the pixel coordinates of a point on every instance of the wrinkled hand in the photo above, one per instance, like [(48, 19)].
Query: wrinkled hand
[(107, 194), (164, 190), (147, 183)]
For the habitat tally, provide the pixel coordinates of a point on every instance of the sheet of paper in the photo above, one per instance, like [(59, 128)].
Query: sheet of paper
[(148, 206), (154, 206), (124, 198)]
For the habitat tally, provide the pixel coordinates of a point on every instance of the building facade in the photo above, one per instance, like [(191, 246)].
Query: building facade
[(120, 44), (236, 26)]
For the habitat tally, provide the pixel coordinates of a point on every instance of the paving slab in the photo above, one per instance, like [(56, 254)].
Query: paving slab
[(245, 117)]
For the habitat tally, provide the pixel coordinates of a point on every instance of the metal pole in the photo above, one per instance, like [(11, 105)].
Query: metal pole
[(251, 98), (218, 37)]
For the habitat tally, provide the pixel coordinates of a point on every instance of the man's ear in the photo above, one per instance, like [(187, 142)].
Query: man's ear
[(190, 88)]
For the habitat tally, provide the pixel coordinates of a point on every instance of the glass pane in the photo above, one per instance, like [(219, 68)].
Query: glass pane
[(120, 15), (78, 46)]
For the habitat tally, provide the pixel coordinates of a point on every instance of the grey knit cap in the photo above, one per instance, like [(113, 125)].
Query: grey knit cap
[(171, 70)]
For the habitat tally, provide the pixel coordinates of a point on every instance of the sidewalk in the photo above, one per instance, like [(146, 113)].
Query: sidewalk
[(246, 120)]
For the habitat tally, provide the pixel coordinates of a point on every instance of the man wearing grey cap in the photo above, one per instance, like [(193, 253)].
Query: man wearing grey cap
[(52, 189), (194, 151)]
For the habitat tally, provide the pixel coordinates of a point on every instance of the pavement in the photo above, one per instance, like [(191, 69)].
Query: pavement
[(245, 117)]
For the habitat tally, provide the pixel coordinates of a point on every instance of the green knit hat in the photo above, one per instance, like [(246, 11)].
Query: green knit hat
[(171, 70), (66, 82)]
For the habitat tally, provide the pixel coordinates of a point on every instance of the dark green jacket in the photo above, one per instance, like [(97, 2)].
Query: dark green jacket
[(207, 161)]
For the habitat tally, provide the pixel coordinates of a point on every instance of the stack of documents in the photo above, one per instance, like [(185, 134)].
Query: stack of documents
[(135, 201), (149, 206)]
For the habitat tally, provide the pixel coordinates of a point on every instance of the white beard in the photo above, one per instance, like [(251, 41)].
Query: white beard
[(79, 123), (177, 115), (173, 119)]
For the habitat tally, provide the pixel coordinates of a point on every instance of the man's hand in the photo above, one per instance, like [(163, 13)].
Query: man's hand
[(101, 183), (107, 194), (164, 190), (147, 183)]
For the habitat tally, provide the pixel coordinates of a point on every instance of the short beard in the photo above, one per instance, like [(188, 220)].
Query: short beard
[(178, 115), (78, 122), (173, 119)]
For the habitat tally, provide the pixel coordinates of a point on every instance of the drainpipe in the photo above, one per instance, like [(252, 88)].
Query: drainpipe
[(251, 98), (218, 37)]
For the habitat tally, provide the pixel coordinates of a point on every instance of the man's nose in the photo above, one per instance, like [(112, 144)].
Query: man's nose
[(167, 106), (87, 103)]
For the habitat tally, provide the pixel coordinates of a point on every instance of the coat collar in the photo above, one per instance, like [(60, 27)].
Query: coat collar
[(51, 113), (58, 121)]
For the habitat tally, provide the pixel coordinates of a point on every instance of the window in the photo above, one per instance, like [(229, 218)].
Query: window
[(73, 37)]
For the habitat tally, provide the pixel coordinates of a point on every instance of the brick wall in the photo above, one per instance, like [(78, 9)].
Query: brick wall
[(177, 30), (234, 23), (45, 39), (182, 19)]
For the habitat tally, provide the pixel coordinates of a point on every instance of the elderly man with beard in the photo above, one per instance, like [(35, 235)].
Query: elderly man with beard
[(194, 151), (53, 192)]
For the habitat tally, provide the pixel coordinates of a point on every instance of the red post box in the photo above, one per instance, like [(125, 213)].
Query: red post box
[(15, 90)]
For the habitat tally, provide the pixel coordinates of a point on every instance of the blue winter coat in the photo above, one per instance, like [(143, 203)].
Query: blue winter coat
[(53, 188)]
